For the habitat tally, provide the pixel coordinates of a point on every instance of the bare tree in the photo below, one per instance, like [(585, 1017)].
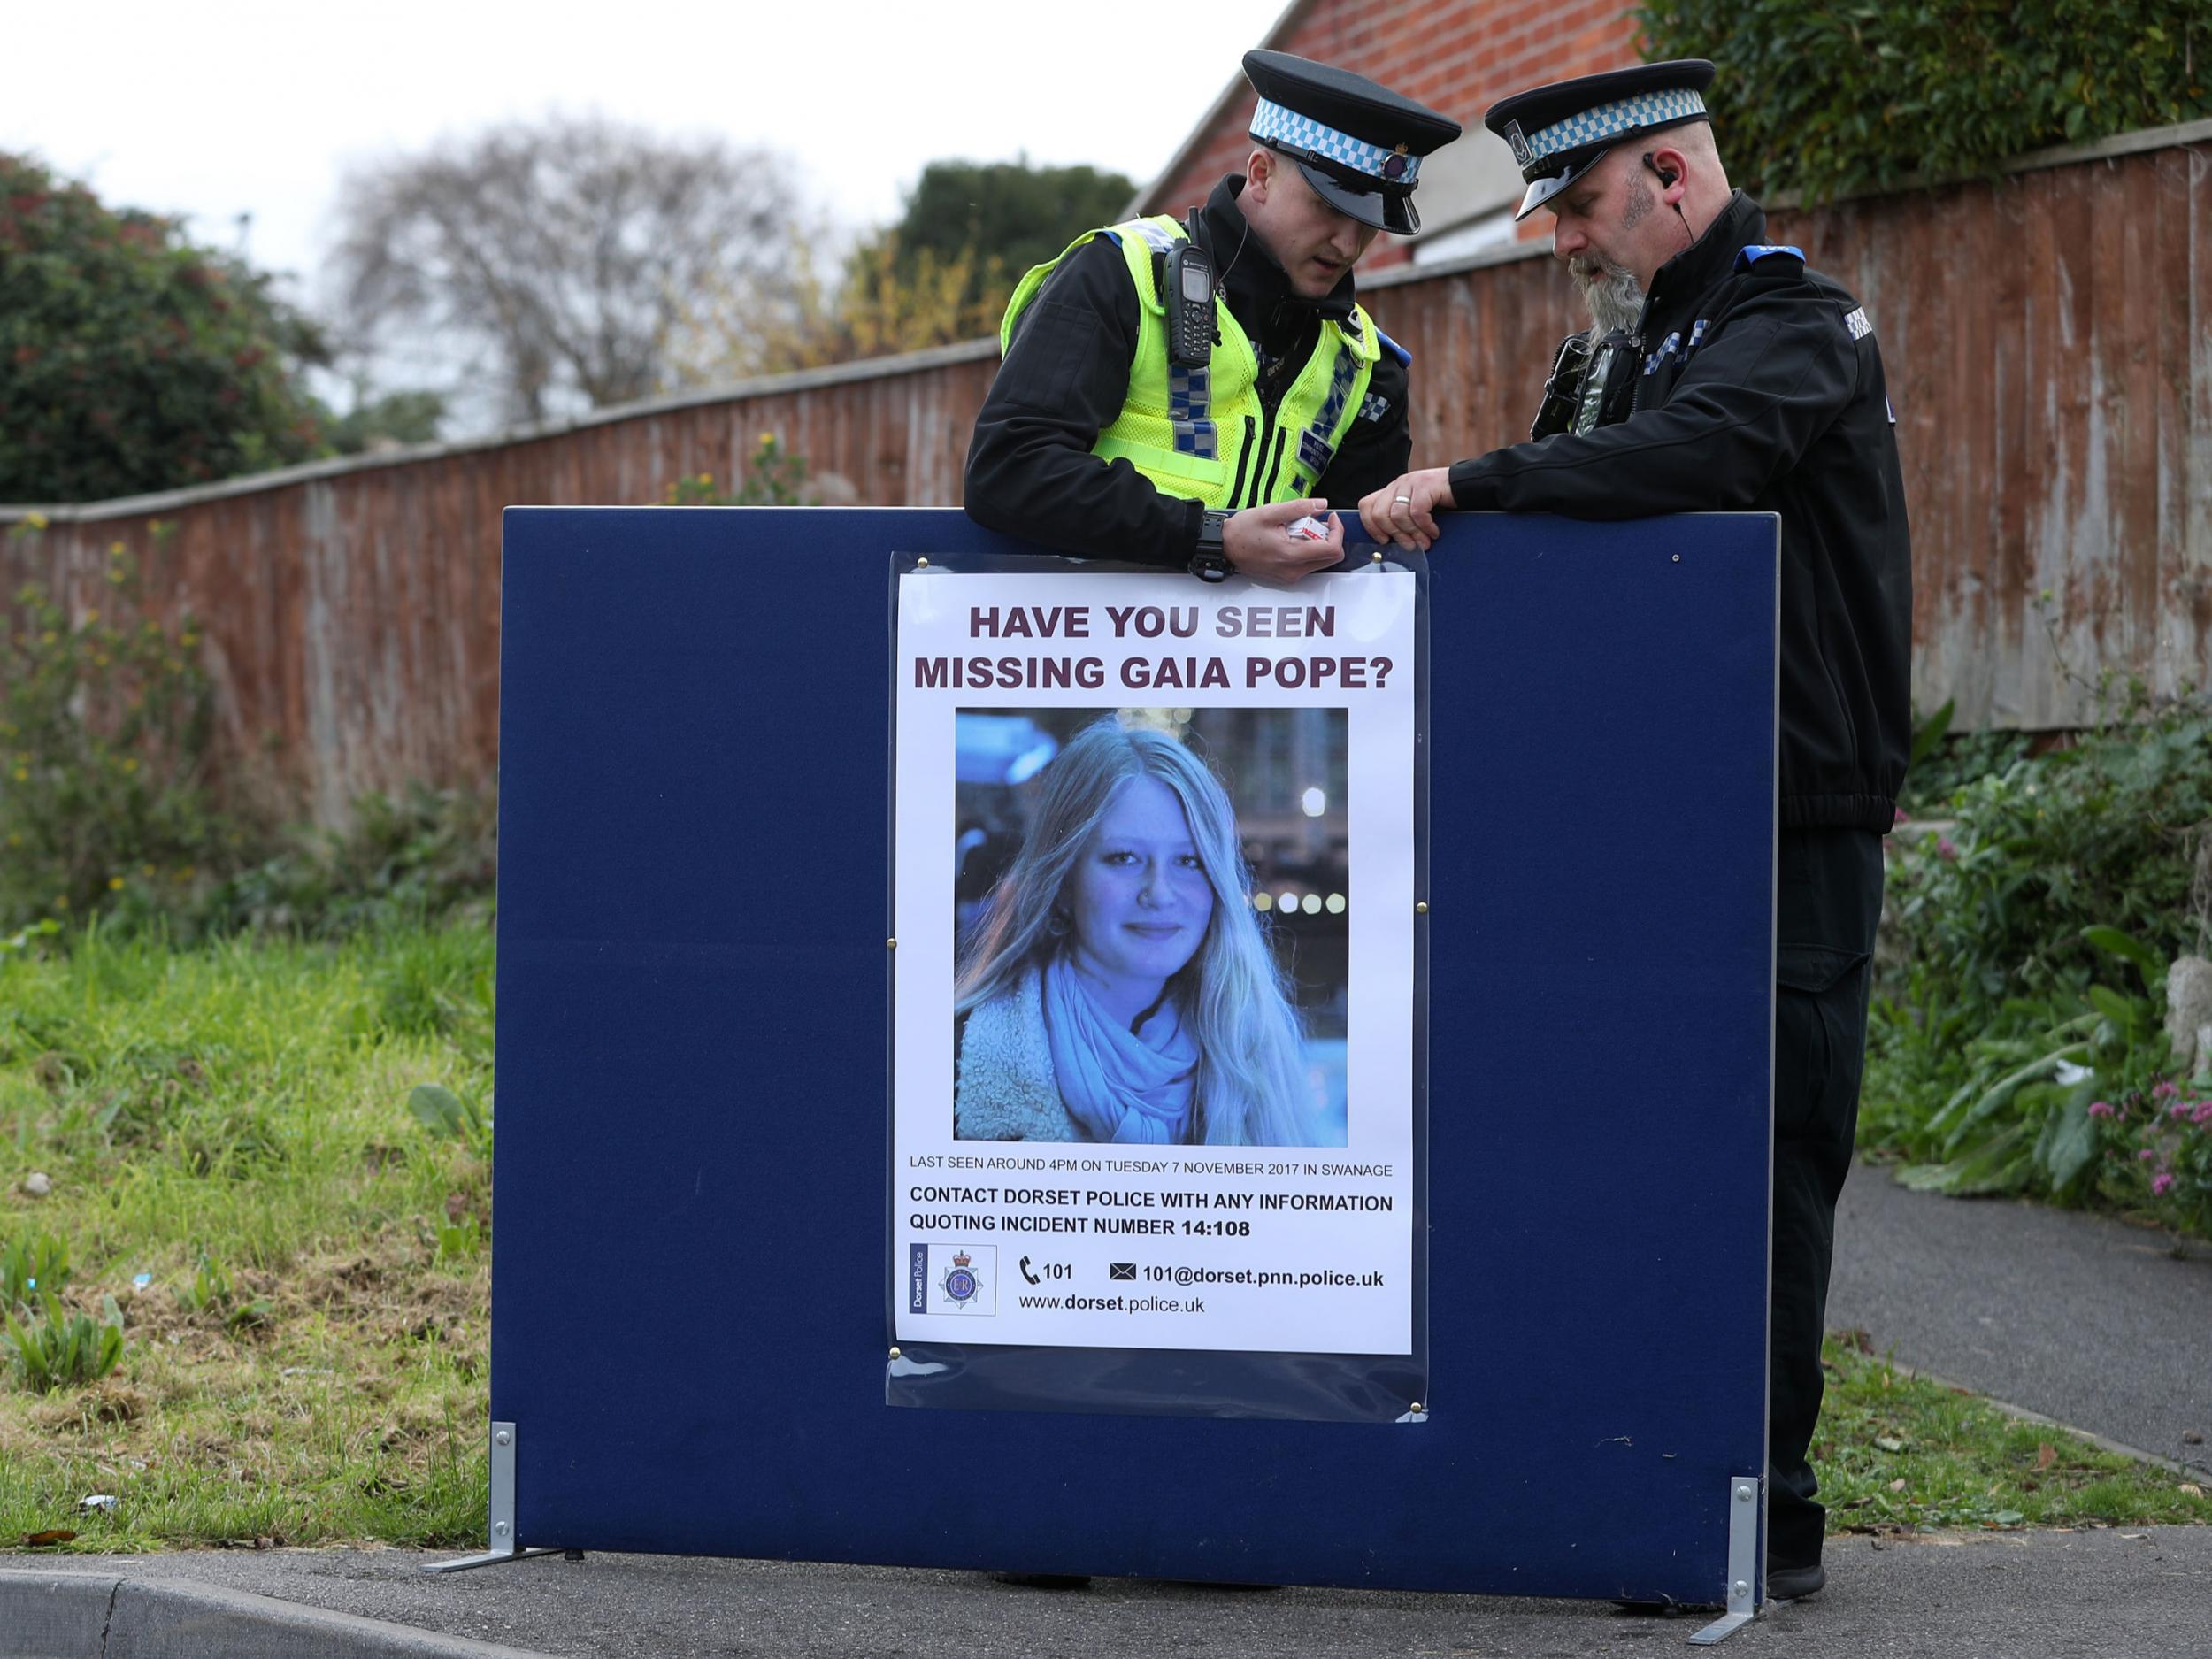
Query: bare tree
[(561, 263)]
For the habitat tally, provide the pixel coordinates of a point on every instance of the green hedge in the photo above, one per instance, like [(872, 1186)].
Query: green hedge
[(1828, 101)]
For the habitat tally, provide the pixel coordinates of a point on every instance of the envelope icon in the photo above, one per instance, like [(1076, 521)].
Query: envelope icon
[(1121, 1270)]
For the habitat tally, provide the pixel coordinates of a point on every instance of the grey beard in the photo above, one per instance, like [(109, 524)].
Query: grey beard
[(1614, 299)]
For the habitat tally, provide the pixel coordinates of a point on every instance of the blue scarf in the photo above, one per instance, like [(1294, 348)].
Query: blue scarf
[(1118, 1084)]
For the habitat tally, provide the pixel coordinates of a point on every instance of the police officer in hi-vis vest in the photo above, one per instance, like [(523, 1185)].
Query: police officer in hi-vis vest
[(1181, 393)]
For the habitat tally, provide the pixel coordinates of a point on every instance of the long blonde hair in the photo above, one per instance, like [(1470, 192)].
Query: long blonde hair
[(1251, 1087)]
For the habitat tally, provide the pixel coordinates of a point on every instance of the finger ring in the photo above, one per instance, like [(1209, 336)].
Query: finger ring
[(1407, 499)]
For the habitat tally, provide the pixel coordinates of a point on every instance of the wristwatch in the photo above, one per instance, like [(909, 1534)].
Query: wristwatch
[(1210, 563)]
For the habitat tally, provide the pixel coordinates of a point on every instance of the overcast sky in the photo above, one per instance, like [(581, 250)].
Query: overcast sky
[(218, 109)]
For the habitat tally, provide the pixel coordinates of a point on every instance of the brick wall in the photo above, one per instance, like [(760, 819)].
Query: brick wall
[(1459, 56)]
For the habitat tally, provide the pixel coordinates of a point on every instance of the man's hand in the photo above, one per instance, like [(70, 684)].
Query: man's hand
[(1405, 512), (1257, 541)]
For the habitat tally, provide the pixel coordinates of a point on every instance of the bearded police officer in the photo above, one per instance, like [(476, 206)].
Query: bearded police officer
[(1720, 373), (1179, 392)]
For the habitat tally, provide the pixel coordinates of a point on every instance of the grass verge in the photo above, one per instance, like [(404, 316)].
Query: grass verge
[(1898, 1454), (300, 1266)]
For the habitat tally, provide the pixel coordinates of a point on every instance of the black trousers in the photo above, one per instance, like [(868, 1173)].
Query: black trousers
[(1828, 900)]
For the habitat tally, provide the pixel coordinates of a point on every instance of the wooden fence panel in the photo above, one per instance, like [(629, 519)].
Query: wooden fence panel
[(2048, 337)]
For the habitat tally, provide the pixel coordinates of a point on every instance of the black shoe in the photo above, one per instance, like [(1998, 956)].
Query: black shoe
[(1045, 1580), (1794, 1584)]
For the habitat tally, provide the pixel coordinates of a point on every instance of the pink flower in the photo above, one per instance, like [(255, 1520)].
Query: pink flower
[(2203, 1113), (2162, 1186), (2100, 1108), (2164, 1090), (2178, 1110), (1901, 818), (2145, 1154), (1945, 848)]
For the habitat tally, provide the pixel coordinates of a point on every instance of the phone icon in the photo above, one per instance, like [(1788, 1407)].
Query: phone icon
[(1026, 1274)]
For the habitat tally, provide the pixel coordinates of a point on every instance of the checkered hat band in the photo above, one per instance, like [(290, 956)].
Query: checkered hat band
[(1607, 121), (1272, 124)]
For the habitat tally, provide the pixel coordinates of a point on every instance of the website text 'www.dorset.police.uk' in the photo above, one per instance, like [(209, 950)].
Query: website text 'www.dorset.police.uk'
[(1322, 1278)]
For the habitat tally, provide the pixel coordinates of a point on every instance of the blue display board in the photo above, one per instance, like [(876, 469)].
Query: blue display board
[(689, 1280)]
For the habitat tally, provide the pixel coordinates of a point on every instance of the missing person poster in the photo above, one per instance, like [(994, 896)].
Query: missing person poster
[(1154, 1039)]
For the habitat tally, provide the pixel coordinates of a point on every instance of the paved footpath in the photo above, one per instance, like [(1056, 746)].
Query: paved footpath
[(2079, 1318), (2046, 1595)]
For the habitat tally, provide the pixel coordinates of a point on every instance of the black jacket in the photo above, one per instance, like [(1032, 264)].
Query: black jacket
[(1031, 472), (1761, 391)]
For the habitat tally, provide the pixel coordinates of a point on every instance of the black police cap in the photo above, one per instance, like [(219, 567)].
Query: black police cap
[(1558, 133), (1359, 144)]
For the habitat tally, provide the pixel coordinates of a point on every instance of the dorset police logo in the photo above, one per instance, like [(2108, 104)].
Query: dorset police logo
[(1522, 154), (960, 1283)]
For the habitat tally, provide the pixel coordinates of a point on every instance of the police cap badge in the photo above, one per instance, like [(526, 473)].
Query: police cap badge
[(1359, 144)]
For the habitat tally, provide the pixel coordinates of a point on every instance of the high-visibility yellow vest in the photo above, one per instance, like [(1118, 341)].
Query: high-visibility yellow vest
[(1203, 433)]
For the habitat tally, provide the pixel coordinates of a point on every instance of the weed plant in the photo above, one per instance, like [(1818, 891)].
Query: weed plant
[(445, 1114), (30, 1262), (209, 1291), (772, 476), (2017, 1041), (420, 854), (58, 1348), (1944, 762), (234, 1167)]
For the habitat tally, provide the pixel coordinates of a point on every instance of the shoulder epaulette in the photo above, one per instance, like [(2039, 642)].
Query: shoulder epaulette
[(1747, 256), (1393, 346)]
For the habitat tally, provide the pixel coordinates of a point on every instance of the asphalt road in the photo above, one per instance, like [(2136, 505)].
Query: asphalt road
[(2088, 1320)]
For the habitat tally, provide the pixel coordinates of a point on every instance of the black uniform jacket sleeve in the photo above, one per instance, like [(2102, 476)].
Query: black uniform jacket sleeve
[(1750, 402), (1030, 472)]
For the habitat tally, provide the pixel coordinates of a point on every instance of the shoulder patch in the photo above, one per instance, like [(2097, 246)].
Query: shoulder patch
[(1159, 239), (1747, 256), (1393, 346)]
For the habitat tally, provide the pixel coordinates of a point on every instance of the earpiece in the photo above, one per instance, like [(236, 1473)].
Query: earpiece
[(1667, 176)]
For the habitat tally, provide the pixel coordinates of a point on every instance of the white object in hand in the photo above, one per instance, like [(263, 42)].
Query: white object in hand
[(1308, 529)]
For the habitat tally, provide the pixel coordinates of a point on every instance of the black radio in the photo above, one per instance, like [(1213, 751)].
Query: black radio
[(1188, 281), (1563, 388)]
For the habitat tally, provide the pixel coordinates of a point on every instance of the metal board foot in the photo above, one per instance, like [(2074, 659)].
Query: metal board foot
[(490, 1559), (1743, 1562), (502, 1545), (1720, 1630)]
